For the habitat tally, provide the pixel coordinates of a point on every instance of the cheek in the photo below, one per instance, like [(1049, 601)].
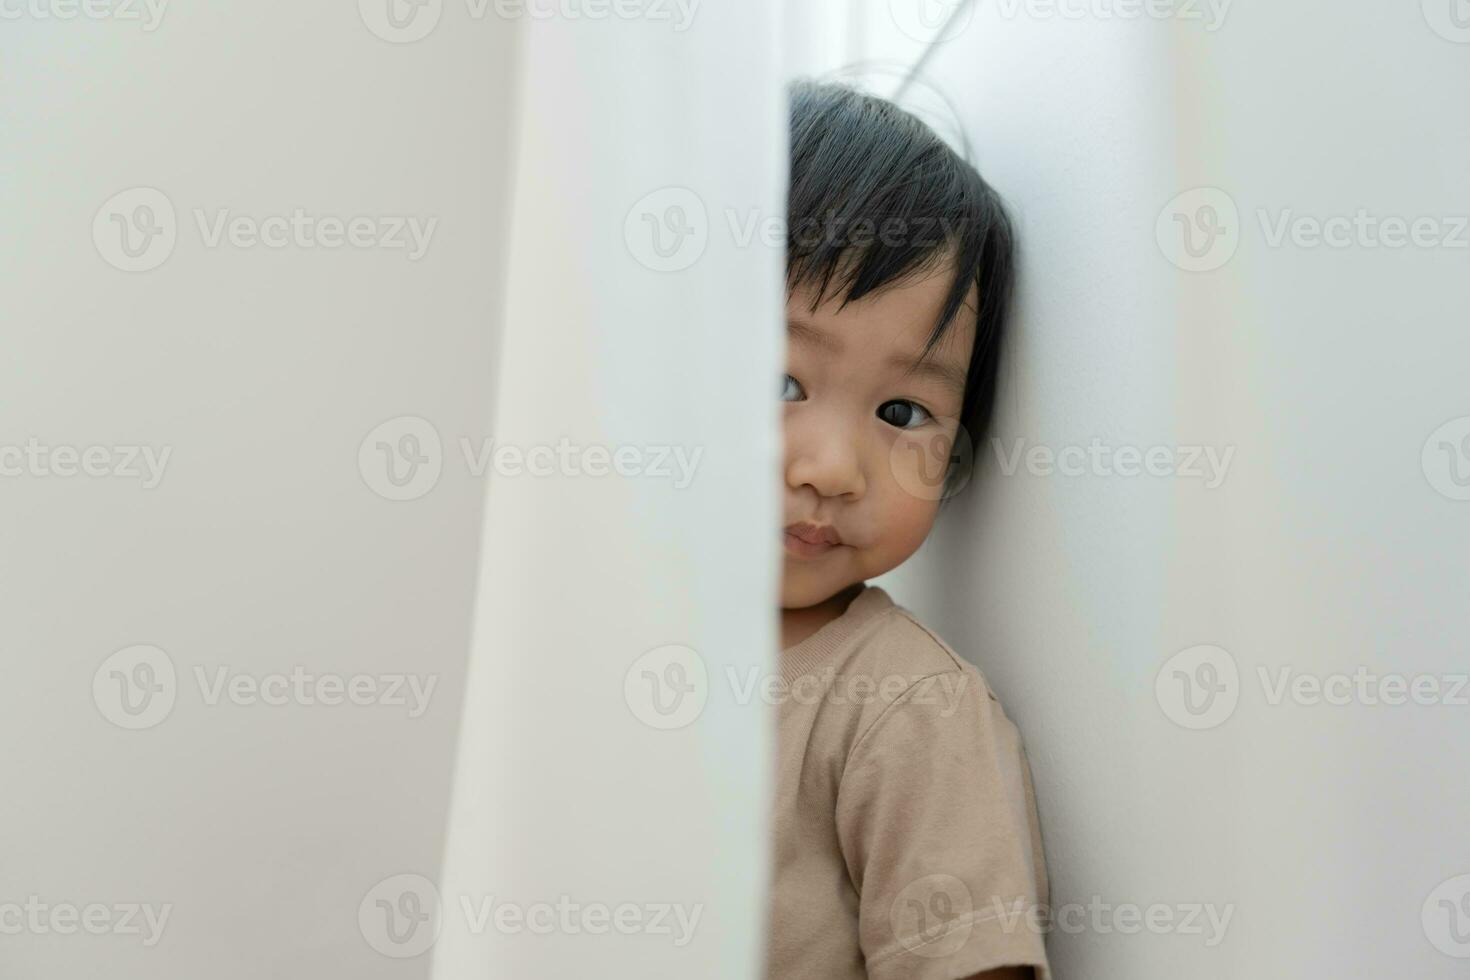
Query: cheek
[(911, 482), (916, 466), (906, 520)]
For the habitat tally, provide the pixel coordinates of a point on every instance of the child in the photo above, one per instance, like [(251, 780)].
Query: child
[(907, 846)]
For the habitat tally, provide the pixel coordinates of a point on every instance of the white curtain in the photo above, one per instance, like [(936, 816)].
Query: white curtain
[(606, 759)]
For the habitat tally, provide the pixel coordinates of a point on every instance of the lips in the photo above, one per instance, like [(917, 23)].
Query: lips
[(814, 534)]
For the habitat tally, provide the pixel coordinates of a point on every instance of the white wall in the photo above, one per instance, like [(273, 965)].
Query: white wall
[(264, 547), (1324, 830)]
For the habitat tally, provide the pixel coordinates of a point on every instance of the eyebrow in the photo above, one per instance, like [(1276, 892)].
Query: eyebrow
[(810, 335), (950, 375)]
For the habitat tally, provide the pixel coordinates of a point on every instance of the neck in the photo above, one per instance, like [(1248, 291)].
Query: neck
[(798, 624)]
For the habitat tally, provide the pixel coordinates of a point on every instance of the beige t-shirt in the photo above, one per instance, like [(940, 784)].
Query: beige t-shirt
[(907, 844)]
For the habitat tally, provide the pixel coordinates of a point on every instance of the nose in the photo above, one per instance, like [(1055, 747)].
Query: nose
[(823, 453)]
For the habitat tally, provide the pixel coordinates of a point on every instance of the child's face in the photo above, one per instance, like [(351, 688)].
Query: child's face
[(864, 442)]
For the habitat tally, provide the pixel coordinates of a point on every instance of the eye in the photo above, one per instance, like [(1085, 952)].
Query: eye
[(787, 384), (904, 414)]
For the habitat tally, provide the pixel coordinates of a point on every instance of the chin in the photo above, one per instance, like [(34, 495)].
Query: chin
[(798, 592)]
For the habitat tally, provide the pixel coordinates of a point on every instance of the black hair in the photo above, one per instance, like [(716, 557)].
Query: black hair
[(876, 197)]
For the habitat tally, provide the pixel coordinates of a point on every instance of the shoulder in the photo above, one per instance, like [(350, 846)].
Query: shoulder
[(908, 675), (898, 645)]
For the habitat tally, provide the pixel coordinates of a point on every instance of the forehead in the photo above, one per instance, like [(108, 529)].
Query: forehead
[(896, 320)]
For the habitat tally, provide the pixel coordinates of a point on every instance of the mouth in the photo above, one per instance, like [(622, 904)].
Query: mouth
[(808, 540)]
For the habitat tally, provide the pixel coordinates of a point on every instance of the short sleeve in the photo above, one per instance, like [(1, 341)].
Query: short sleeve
[(937, 823)]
